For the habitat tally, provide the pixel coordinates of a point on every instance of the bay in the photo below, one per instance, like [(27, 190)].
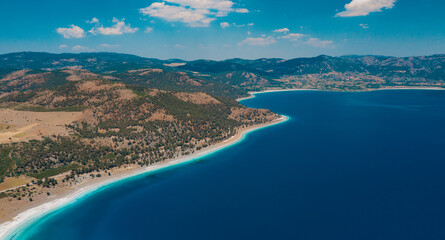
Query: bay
[(366, 165)]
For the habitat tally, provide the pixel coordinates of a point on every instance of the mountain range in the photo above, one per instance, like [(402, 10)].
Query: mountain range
[(232, 77)]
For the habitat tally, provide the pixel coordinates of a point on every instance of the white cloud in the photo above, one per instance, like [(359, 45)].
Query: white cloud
[(261, 41), (205, 4), (79, 48), (224, 24), (71, 32), (171, 13), (148, 29), (106, 45), (315, 42), (364, 7), (281, 30), (250, 24), (242, 10), (94, 20), (294, 36), (119, 28), (195, 13), (364, 25), (63, 46), (240, 25), (303, 38)]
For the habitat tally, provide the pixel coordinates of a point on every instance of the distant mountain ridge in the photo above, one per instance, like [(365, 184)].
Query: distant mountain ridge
[(352, 72), (102, 61)]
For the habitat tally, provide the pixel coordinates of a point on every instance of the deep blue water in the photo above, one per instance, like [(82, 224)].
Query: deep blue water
[(367, 165)]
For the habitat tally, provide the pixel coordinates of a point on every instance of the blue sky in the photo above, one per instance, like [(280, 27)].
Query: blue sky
[(221, 29)]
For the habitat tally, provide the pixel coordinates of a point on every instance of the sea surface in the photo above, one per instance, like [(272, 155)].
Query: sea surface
[(368, 165)]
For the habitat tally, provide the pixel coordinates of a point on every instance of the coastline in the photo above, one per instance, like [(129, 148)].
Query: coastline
[(28, 216), (252, 94), (31, 214)]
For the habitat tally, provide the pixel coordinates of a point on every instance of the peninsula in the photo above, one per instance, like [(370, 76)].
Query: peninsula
[(70, 123)]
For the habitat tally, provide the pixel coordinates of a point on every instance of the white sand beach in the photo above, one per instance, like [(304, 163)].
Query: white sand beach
[(29, 215), (252, 94)]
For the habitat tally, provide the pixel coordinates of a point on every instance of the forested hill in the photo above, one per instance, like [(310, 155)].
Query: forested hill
[(94, 125), (234, 77), (430, 67), (90, 61), (69, 117)]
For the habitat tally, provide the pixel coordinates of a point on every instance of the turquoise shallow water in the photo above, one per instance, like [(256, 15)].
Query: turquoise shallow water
[(364, 165)]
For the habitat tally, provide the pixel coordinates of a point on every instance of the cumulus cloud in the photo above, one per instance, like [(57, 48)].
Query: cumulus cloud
[(119, 28), (195, 13), (94, 20), (172, 13), (148, 29), (294, 36), (364, 7), (205, 4), (261, 41), (315, 42), (63, 46), (224, 24), (282, 30), (72, 32)]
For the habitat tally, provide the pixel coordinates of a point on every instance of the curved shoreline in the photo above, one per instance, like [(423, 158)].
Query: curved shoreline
[(29, 216), (252, 94)]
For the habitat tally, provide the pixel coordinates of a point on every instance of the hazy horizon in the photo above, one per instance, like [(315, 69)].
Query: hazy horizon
[(224, 29)]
